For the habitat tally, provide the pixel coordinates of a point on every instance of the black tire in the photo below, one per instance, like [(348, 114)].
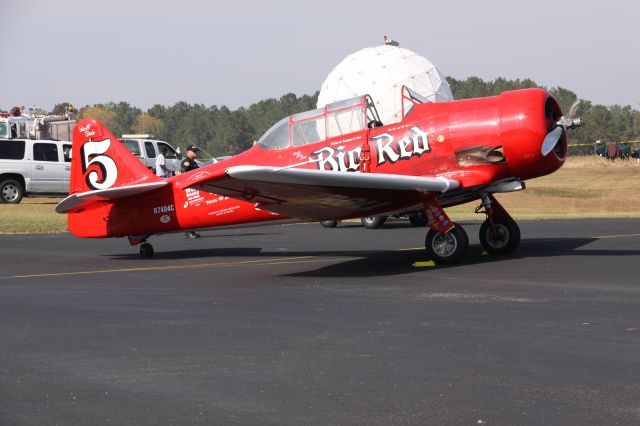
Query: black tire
[(146, 250), (329, 223), (507, 239), (373, 222), (418, 218), (449, 247), (11, 191)]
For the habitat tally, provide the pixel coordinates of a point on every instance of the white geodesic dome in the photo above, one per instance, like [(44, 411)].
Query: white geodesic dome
[(381, 71)]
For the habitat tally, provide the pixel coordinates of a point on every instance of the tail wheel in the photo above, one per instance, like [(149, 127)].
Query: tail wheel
[(329, 223), (449, 247), (504, 240), (373, 222), (11, 191), (146, 250)]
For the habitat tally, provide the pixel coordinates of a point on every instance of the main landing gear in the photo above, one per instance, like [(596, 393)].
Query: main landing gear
[(146, 249), (447, 247), (447, 242), (499, 233)]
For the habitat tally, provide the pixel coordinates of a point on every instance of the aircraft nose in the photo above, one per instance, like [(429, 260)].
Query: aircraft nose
[(526, 119)]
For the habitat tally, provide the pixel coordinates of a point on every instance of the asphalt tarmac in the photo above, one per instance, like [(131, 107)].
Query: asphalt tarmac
[(301, 325)]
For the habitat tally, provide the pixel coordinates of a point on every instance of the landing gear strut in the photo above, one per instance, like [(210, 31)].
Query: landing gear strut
[(446, 242), (499, 233)]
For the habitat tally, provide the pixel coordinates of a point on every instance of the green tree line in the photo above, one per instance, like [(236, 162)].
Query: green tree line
[(222, 131)]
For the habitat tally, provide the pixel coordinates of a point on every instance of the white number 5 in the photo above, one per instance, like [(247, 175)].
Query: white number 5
[(105, 163)]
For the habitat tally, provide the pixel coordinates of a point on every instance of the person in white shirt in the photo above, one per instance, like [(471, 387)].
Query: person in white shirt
[(161, 168)]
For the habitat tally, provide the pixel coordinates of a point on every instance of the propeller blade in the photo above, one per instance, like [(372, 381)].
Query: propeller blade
[(551, 140), (573, 108)]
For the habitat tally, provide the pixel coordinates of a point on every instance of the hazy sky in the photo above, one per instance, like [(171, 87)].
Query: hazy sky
[(238, 52)]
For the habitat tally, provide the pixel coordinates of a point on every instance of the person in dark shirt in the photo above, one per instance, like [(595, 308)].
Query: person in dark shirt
[(189, 163)]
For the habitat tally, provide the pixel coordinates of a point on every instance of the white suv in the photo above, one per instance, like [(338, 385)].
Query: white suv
[(33, 167), (148, 149)]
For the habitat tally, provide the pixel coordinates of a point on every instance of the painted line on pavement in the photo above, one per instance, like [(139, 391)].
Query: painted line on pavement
[(159, 268), (617, 236), (270, 261)]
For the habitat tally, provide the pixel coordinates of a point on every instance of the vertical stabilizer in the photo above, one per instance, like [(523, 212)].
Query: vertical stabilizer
[(101, 161)]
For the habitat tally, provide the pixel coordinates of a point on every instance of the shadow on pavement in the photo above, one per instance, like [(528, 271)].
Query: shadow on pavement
[(365, 263)]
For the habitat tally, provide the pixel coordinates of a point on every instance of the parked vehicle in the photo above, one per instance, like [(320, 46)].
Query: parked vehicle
[(147, 149), (416, 218), (33, 167), (35, 126), (32, 160)]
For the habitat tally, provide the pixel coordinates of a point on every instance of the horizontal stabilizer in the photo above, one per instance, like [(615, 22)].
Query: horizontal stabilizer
[(81, 200)]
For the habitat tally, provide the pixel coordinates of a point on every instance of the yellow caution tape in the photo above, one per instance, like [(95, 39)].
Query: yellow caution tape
[(593, 143)]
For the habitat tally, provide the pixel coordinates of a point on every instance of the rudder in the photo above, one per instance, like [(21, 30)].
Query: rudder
[(101, 161)]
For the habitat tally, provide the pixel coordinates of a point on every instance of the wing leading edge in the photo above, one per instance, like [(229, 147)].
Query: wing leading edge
[(317, 195)]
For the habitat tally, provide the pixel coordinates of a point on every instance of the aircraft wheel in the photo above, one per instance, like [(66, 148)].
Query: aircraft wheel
[(146, 250), (329, 223), (418, 218), (447, 247), (373, 222), (506, 238)]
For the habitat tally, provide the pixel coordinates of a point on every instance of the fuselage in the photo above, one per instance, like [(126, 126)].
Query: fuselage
[(477, 142)]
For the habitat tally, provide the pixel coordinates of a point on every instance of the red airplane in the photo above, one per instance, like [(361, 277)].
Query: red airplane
[(333, 163)]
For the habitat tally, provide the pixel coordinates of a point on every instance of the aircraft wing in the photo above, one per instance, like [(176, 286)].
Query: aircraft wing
[(317, 195)]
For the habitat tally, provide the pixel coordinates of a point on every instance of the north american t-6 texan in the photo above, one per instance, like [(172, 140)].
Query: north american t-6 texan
[(333, 163)]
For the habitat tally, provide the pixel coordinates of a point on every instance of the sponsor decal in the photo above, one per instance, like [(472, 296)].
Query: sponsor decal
[(193, 198), (216, 200), (337, 159), (407, 147), (299, 155), (413, 144), (165, 218), (223, 212), (164, 209), (436, 217), (99, 169), (87, 130), (196, 175)]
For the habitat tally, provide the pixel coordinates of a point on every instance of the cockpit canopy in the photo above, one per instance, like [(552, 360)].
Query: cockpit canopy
[(336, 119)]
